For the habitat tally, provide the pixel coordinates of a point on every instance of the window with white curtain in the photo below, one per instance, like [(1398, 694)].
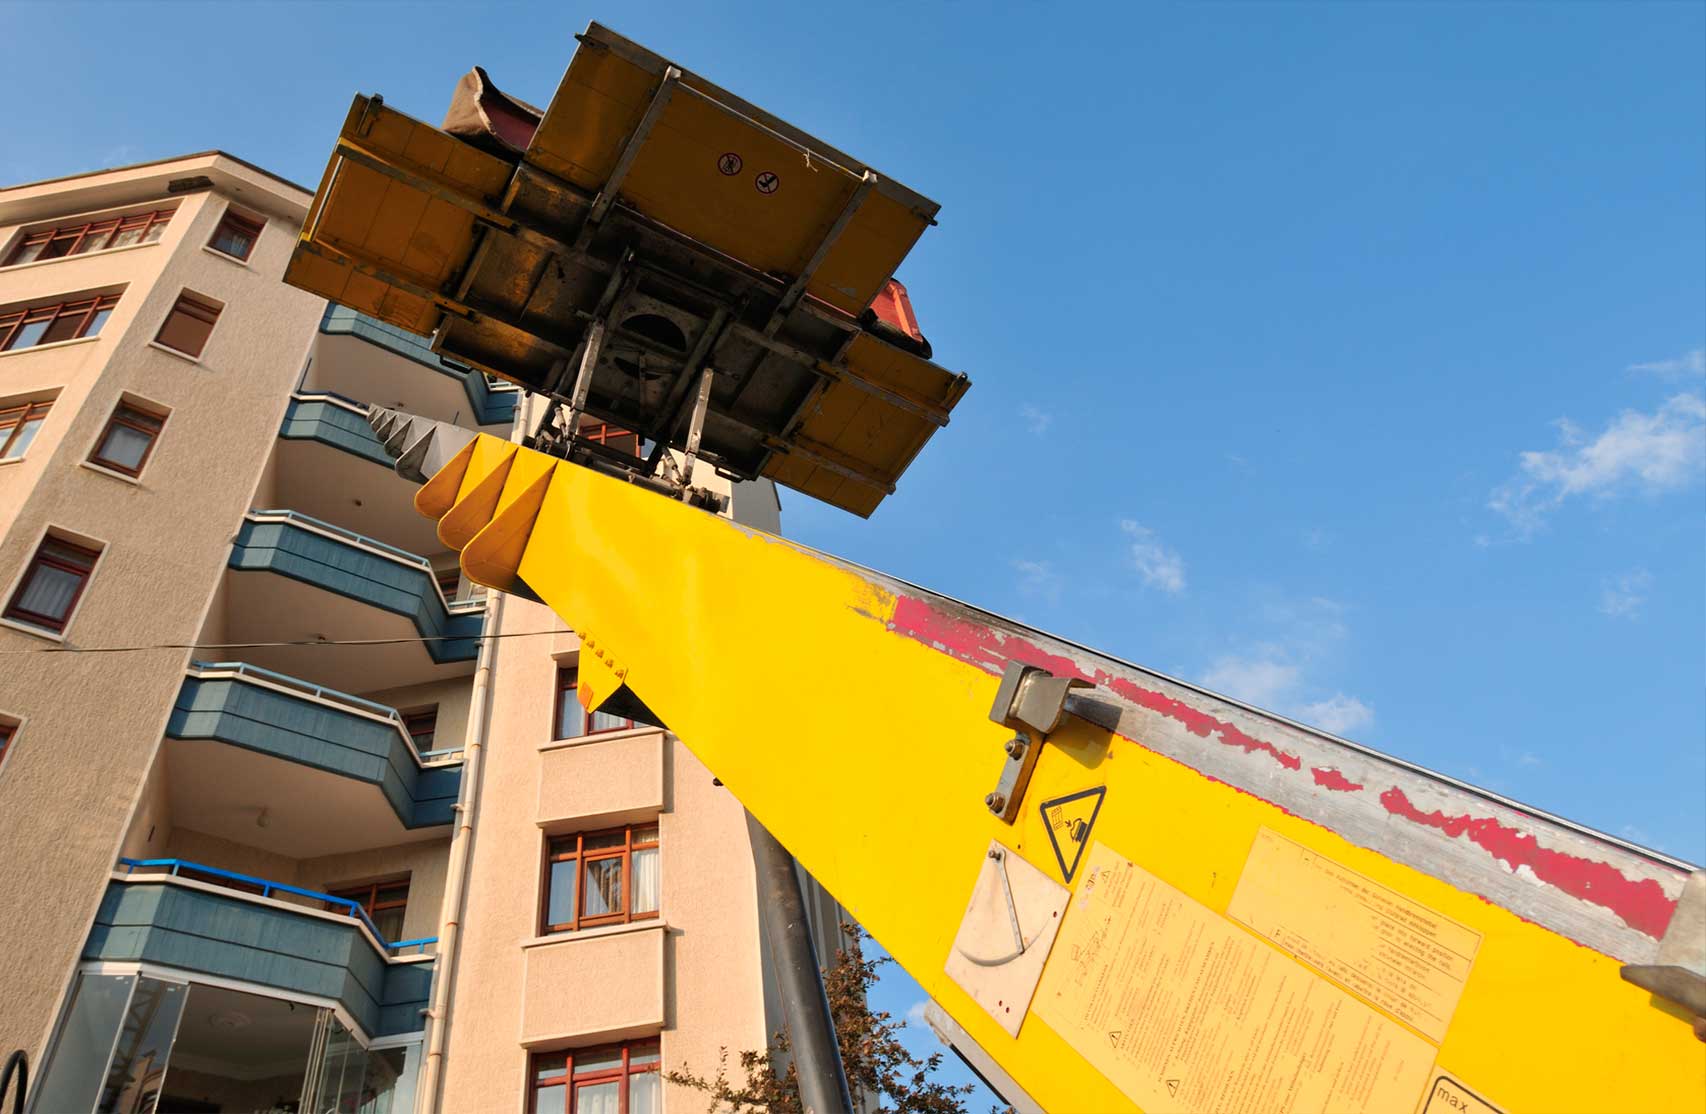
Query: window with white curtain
[(52, 584), (612, 1079), (594, 878)]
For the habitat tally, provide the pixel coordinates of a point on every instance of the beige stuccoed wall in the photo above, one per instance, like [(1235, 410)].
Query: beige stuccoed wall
[(695, 976), (451, 696), (91, 723)]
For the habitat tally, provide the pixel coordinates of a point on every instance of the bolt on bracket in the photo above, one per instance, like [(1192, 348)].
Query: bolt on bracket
[(1032, 702)]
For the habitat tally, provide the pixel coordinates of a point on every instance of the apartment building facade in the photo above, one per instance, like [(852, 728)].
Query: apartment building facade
[(297, 818)]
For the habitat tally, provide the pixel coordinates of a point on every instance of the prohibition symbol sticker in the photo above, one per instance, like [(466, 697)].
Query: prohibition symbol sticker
[(1069, 821), (729, 164), (767, 182)]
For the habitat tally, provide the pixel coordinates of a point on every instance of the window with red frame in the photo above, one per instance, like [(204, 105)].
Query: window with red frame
[(18, 426), (624, 441), (383, 902), (189, 325), (614, 1079), (128, 440), (422, 727), (572, 721), (77, 239), (448, 581), (236, 235), (52, 584), (49, 324), (7, 730), (594, 878)]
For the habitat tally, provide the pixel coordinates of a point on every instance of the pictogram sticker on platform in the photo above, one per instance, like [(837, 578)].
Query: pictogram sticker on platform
[(1069, 821), (767, 182), (729, 163)]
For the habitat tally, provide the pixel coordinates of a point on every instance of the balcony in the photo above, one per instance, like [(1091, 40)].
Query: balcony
[(329, 464), (367, 359), (353, 779), (308, 588), (235, 926)]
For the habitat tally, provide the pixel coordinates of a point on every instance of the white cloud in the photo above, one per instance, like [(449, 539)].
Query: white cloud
[(1621, 597), (1692, 362), (1035, 420), (915, 1014), (1038, 578), (1159, 566), (1278, 674), (1337, 715), (1260, 681), (1647, 452)]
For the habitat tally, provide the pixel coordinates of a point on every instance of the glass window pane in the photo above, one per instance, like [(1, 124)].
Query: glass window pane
[(389, 922), (96, 238), (155, 231), (27, 253), (560, 901), (551, 1100), (139, 1061), (603, 840), (57, 246), (29, 334), (598, 1098), (233, 242), (604, 721), (645, 1093), (21, 440), (48, 592), (385, 1069), (603, 887), (646, 881), (127, 236), (124, 447), (388, 894), (569, 718), (78, 1063), (97, 321), (646, 835), (65, 326), (597, 1061), (643, 1052), (550, 1065)]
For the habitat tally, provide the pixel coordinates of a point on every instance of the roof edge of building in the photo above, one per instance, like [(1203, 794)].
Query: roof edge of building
[(210, 153)]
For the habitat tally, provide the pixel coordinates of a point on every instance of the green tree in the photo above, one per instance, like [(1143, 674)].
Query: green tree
[(879, 1068)]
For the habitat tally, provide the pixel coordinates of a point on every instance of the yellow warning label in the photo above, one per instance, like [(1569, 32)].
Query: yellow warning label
[(1184, 1011), (1448, 1096), (1400, 955)]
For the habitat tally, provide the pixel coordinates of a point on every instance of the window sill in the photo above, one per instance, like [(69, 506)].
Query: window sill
[(39, 632), (5, 460), (596, 932), (51, 345), (211, 250), (84, 255), (134, 481), (185, 356), (600, 737)]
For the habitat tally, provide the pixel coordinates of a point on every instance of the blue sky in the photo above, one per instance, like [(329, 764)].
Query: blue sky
[(1347, 358)]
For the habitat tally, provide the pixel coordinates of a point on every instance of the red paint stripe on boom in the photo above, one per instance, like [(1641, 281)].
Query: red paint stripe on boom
[(1641, 904), (989, 651)]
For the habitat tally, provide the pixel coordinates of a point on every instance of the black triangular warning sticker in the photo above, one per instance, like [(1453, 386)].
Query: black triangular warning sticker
[(1069, 820)]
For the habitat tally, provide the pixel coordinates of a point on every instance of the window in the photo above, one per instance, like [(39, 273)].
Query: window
[(595, 878), (189, 325), (236, 235), (19, 424), (76, 239), (624, 441), (448, 581), (422, 726), (7, 730), (128, 439), (573, 721), (52, 584), (26, 328), (383, 902), (615, 1079)]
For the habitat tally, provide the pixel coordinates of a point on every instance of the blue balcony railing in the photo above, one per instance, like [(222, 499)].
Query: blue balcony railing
[(267, 888), (491, 402)]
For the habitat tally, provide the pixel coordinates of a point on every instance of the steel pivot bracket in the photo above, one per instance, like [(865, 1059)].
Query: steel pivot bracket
[(1678, 974), (1032, 702)]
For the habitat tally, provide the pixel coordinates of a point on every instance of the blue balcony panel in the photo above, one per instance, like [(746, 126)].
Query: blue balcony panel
[(320, 735), (358, 572), (488, 407), (321, 419), (229, 936)]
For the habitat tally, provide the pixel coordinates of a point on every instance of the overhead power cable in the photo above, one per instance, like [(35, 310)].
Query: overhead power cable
[(268, 645)]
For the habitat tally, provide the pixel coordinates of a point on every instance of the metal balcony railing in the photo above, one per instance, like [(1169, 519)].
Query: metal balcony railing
[(255, 673), (265, 887), (373, 545)]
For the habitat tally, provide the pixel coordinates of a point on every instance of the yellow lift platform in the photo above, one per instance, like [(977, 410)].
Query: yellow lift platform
[(1123, 891)]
